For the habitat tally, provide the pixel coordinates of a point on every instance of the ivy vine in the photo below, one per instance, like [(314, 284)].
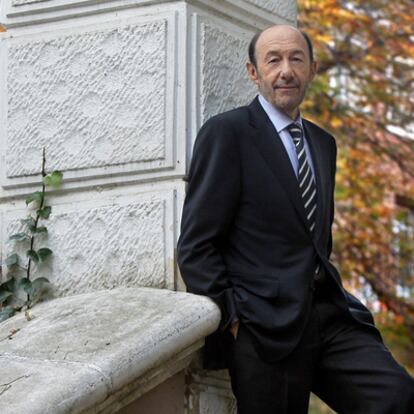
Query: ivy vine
[(32, 289)]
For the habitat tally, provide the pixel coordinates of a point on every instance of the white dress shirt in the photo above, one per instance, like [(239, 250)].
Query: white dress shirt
[(281, 121)]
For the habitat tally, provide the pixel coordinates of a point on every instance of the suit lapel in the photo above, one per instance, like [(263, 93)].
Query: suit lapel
[(269, 144)]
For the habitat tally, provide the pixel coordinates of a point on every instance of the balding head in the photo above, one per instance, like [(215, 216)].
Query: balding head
[(282, 67), (255, 38)]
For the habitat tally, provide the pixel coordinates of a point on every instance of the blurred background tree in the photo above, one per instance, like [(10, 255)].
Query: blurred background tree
[(364, 95)]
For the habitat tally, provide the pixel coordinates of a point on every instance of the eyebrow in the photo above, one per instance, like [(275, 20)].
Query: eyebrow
[(277, 52)]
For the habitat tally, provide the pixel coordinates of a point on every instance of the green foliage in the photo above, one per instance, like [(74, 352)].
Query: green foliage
[(44, 212), (29, 222), (11, 260), (10, 299), (19, 237), (36, 197), (23, 282), (40, 229), (35, 288), (44, 253), (4, 295), (53, 180), (6, 313), (9, 285), (33, 255)]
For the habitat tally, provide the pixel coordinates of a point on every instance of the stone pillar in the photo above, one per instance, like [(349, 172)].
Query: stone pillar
[(115, 90)]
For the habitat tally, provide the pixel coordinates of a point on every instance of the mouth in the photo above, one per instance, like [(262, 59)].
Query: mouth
[(286, 87)]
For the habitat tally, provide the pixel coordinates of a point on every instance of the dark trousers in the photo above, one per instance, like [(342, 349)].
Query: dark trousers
[(343, 362)]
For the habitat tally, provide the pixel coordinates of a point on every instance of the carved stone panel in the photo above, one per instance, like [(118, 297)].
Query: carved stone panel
[(103, 245), (92, 99), (283, 8), (224, 81), (99, 97)]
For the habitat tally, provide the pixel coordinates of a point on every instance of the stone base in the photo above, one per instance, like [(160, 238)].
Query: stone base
[(167, 398)]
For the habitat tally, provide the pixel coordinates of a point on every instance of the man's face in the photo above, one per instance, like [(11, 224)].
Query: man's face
[(284, 69)]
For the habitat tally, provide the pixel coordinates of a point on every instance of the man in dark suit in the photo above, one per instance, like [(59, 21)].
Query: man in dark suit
[(256, 238)]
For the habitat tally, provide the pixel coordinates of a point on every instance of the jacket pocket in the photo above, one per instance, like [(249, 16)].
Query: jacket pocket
[(263, 285)]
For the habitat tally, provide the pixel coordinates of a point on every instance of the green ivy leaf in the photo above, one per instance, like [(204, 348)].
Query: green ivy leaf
[(44, 212), (9, 285), (43, 253), (38, 286), (4, 295), (19, 237), (54, 179), (35, 197), (41, 280), (41, 229), (28, 222), (11, 260), (23, 281), (27, 287), (6, 313), (33, 255)]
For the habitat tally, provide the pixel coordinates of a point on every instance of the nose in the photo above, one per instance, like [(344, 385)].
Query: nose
[(286, 69)]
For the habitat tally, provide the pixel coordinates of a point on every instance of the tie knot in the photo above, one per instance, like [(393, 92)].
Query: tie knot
[(296, 132)]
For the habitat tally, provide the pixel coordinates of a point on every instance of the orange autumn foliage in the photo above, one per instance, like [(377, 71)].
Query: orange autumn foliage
[(364, 95)]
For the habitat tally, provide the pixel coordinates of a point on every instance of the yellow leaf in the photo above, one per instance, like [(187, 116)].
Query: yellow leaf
[(336, 122), (325, 38)]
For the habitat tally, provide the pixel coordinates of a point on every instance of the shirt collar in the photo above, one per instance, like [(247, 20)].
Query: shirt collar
[(278, 118)]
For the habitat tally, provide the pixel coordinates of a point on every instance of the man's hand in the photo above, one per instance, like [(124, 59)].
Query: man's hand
[(234, 329)]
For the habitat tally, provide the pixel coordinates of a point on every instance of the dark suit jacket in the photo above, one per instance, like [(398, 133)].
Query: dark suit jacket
[(244, 237)]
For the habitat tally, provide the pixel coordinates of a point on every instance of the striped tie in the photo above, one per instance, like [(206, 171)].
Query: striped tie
[(307, 186)]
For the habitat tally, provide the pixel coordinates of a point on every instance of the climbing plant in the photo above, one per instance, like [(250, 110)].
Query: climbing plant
[(14, 286)]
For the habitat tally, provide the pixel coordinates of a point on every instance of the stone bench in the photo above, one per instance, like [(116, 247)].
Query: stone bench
[(102, 352)]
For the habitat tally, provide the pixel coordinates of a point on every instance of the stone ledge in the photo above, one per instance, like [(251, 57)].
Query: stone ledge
[(97, 352)]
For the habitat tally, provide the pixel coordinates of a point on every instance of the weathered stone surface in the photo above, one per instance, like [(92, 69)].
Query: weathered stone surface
[(107, 246), (78, 350), (283, 8), (22, 2), (224, 80), (92, 99), (213, 402), (210, 392), (286, 9), (48, 386)]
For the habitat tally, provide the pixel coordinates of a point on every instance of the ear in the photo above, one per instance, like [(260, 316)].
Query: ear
[(314, 69), (252, 72)]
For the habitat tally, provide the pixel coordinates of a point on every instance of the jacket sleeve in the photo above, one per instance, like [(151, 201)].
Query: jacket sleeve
[(209, 208)]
